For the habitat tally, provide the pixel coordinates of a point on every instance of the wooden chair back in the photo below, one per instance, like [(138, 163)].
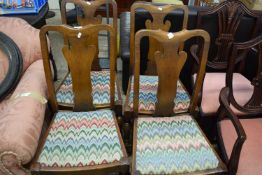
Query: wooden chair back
[(169, 63), (158, 22), (254, 105), (79, 54), (229, 15), (89, 9)]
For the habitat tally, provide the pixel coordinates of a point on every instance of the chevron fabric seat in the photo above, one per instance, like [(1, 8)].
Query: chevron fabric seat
[(172, 145), (100, 85), (78, 139), (147, 95)]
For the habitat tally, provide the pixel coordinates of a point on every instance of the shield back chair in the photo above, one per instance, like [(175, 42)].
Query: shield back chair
[(242, 158), (100, 78), (229, 15), (149, 80), (85, 140), (165, 142)]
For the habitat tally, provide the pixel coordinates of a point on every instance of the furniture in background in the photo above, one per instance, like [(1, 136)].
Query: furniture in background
[(224, 29), (36, 20), (176, 2), (11, 65), (164, 142), (72, 17), (100, 79), (149, 79), (22, 112), (85, 131), (87, 11), (245, 23), (242, 158), (176, 19)]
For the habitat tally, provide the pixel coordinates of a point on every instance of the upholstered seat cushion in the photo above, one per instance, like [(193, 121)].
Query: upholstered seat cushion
[(148, 95), (172, 145), (22, 116), (212, 86), (100, 85), (177, 2), (251, 155), (78, 139)]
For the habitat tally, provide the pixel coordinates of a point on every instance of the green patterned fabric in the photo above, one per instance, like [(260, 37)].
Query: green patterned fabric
[(148, 95), (100, 89), (172, 145), (177, 2), (78, 139)]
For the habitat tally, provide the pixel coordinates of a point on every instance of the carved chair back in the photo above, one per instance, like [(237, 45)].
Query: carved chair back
[(88, 17), (79, 54), (158, 22), (169, 63), (254, 104), (229, 15)]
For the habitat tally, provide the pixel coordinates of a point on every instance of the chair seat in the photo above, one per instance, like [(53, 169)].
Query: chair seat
[(172, 145), (212, 86), (147, 95), (100, 85), (251, 154), (177, 2), (79, 139)]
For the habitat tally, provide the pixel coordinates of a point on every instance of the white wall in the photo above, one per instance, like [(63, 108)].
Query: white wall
[(54, 4)]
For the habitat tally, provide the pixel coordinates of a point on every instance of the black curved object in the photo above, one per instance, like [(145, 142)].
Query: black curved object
[(8, 46)]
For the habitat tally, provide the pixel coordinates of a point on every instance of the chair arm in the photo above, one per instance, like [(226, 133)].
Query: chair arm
[(241, 135), (125, 36), (11, 164), (21, 120)]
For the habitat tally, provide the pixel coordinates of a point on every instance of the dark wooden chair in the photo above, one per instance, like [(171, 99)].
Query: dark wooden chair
[(164, 142), (99, 77), (242, 158), (149, 81), (85, 140), (228, 20)]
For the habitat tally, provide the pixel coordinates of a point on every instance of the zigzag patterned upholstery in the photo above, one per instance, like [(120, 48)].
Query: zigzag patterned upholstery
[(78, 139), (101, 89), (172, 145), (147, 95)]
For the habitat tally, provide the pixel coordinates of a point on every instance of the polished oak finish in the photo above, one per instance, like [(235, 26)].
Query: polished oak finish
[(75, 49), (158, 14), (89, 9), (169, 75), (169, 63)]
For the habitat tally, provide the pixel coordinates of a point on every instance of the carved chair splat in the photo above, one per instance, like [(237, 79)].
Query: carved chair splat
[(149, 156), (158, 14), (89, 8), (149, 81), (158, 22), (70, 132), (229, 14), (229, 17)]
